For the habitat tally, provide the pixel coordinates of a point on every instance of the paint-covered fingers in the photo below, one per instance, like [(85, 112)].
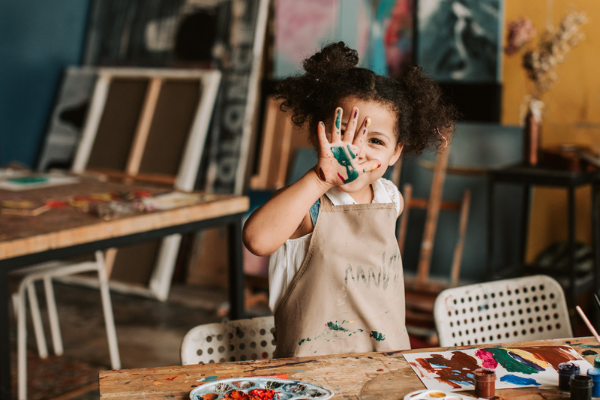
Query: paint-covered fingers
[(337, 126), (369, 166), (361, 135), (322, 136), (350, 131)]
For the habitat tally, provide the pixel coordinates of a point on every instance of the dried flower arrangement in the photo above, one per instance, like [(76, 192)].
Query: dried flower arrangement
[(540, 63)]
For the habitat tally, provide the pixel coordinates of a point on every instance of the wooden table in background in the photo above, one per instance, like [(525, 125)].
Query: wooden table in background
[(63, 233), (383, 375)]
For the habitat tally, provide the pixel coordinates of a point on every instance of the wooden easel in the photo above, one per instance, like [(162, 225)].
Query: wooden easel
[(421, 291), (149, 125)]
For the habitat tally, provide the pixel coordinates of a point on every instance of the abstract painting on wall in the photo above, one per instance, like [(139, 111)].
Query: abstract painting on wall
[(459, 40), (514, 366), (380, 30)]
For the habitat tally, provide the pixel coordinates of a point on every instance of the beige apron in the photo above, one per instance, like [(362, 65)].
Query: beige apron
[(348, 295)]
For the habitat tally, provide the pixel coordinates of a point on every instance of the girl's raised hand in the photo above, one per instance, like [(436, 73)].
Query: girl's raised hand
[(338, 160)]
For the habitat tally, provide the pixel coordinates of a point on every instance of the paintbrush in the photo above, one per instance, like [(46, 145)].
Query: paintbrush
[(588, 323), (597, 300)]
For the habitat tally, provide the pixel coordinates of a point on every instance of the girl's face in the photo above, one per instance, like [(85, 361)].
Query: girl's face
[(380, 143)]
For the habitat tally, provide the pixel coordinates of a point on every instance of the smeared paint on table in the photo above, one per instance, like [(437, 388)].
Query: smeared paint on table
[(383, 375)]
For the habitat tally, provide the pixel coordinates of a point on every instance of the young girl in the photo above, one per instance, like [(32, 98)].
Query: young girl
[(335, 278)]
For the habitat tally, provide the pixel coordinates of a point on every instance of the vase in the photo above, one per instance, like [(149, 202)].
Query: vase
[(532, 132)]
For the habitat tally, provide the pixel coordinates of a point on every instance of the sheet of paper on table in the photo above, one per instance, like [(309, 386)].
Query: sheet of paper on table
[(514, 366)]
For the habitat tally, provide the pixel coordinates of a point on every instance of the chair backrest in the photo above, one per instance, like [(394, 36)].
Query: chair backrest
[(238, 340), (509, 310)]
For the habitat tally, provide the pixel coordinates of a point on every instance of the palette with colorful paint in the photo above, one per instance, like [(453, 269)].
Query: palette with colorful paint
[(259, 388), (433, 394)]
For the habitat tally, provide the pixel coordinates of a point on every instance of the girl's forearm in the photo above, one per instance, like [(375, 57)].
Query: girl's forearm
[(276, 221)]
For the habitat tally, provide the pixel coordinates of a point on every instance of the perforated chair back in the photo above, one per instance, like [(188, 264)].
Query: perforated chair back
[(509, 310), (238, 340)]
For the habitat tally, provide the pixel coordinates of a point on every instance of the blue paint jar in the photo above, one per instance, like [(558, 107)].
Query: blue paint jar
[(565, 371), (581, 387), (595, 374)]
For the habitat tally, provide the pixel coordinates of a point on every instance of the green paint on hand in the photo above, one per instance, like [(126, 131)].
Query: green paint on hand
[(333, 326), (351, 153), (342, 157), (338, 119), (380, 337)]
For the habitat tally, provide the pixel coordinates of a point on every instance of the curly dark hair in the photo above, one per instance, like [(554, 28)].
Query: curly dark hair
[(332, 75)]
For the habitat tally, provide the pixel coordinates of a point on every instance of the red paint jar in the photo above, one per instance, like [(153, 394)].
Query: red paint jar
[(485, 383)]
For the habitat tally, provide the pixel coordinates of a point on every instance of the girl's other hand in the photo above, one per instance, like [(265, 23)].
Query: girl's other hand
[(339, 159)]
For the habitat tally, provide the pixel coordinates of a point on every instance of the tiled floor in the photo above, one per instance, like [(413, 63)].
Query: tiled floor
[(149, 332)]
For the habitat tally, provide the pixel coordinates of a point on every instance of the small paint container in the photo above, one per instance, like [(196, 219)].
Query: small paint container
[(565, 371), (597, 362), (581, 387), (595, 374), (485, 382)]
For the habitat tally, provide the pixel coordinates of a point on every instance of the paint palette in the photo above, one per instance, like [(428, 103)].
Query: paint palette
[(433, 394), (258, 388)]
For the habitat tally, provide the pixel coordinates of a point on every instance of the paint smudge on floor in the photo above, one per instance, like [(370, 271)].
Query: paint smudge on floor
[(589, 353), (517, 380)]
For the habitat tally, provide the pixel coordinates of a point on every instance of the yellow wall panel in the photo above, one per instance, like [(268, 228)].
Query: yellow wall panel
[(571, 114)]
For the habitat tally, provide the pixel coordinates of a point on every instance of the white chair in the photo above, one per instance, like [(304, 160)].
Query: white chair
[(238, 340), (45, 272), (509, 310)]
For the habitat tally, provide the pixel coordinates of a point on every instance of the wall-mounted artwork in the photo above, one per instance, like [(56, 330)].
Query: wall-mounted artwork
[(381, 32), (396, 21), (514, 366), (460, 40)]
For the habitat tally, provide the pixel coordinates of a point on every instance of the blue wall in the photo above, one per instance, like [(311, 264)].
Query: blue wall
[(39, 39), (476, 145)]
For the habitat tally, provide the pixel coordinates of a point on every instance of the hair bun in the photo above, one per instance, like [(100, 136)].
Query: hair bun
[(333, 58)]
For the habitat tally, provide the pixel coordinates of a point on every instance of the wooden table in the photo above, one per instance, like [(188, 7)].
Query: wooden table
[(67, 232), (384, 375)]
